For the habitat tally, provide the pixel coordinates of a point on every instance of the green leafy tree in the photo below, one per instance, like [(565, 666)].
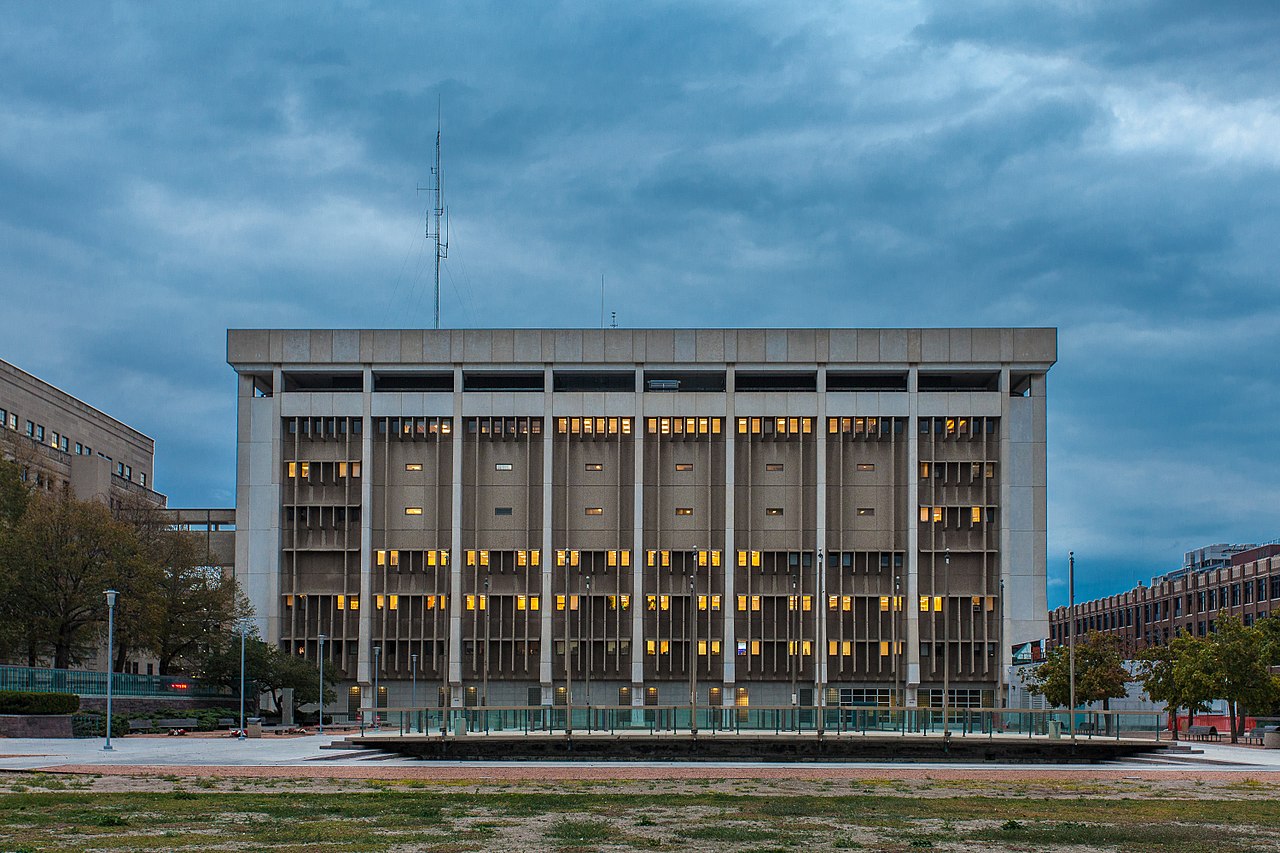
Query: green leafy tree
[(1237, 666), (1164, 680), (1100, 673), (268, 671)]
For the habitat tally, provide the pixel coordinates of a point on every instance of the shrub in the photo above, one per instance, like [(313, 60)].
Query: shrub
[(94, 724), (17, 702)]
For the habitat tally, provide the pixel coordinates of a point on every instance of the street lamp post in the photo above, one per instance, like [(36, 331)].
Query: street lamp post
[(1071, 639), (320, 654), (377, 655), (693, 655), (588, 658), (820, 640), (484, 688), (793, 647), (893, 639), (111, 631), (946, 642), (413, 694), (1000, 674), (244, 630)]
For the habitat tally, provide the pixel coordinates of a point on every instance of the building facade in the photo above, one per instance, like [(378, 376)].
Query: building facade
[(60, 440), (1186, 601), (631, 517)]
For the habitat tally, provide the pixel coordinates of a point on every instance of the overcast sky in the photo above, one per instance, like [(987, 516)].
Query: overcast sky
[(1111, 168)]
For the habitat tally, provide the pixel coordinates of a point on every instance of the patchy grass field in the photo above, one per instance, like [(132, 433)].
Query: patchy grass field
[(40, 812)]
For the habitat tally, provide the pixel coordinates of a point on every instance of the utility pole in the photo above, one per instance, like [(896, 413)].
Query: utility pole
[(1071, 639), (434, 231)]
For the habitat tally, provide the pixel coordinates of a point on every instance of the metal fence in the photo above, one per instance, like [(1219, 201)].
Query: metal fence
[(94, 684), (825, 720)]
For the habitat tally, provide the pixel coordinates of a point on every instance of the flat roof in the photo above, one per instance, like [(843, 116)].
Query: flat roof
[(74, 401), (1033, 348)]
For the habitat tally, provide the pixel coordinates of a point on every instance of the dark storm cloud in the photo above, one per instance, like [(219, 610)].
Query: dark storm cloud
[(167, 171)]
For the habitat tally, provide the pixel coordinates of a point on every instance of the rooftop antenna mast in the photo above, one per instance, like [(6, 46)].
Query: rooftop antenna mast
[(439, 212)]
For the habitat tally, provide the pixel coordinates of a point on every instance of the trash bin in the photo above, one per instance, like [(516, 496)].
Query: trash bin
[(253, 727), (460, 726), (1055, 730), (1271, 737)]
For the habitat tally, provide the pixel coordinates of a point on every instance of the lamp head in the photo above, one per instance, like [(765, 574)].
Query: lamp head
[(111, 597)]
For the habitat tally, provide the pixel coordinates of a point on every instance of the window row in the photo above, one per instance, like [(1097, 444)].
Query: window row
[(954, 515), (683, 426), (866, 426), (322, 472), (325, 427), (775, 426), (593, 426), (952, 472), (959, 427)]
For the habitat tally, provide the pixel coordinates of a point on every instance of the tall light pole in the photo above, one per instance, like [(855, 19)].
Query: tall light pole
[(590, 634), (244, 629), (820, 640), (1071, 639), (793, 646), (946, 641), (484, 689), (320, 654), (693, 654), (111, 633), (413, 695), (377, 655), (893, 638), (1000, 673)]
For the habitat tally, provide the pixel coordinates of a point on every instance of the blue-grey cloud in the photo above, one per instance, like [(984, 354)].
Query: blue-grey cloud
[(169, 171)]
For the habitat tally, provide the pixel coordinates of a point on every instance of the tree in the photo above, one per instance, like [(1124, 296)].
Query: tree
[(267, 671), (1236, 664), (57, 560), (1100, 673), (1167, 677)]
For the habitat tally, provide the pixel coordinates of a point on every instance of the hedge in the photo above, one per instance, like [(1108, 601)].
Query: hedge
[(17, 702)]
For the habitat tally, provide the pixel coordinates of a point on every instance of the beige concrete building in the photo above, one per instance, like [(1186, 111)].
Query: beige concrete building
[(632, 517)]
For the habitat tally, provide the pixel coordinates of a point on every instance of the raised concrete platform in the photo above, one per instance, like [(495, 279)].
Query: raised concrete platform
[(751, 747)]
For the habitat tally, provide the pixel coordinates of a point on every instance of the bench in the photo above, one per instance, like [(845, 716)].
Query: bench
[(1203, 733), (179, 724), (136, 726), (1254, 735), (227, 723)]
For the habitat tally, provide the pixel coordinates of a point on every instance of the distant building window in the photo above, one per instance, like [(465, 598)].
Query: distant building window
[(503, 466), (80, 452), (39, 432), (53, 439), (773, 466), (866, 466), (773, 510), (120, 471), (413, 510), (142, 478), (684, 510), (595, 510), (502, 510), (684, 466), (13, 421), (595, 466), (31, 429)]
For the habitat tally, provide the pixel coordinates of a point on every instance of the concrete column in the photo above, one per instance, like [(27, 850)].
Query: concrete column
[(820, 523), (545, 676), (639, 567), (1003, 652), (729, 565), (364, 650), (457, 558), (911, 583)]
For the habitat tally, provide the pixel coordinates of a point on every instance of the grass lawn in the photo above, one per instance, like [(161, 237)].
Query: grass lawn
[(43, 812)]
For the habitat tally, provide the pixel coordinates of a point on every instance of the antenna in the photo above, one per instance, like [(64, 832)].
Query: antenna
[(602, 300), (439, 211), (614, 316)]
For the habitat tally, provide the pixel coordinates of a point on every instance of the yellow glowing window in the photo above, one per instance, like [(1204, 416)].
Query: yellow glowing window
[(288, 601), (484, 601), (715, 602), (755, 559), (413, 466), (664, 426), (664, 602), (664, 647), (702, 647), (755, 426), (924, 470), (833, 425), (444, 602), (975, 514), (471, 602), (613, 426), (613, 602), (522, 558), (951, 425), (304, 469), (651, 558), (715, 558), (833, 602), (611, 558), (702, 558), (413, 510), (742, 602), (650, 647), (806, 602), (626, 558), (431, 602), (560, 601), (846, 647), (884, 648), (342, 602), (924, 604), (806, 648), (534, 602), (755, 647), (560, 558), (652, 425), (702, 602), (793, 602), (293, 469), (937, 604), (685, 510), (394, 557), (355, 603), (484, 558), (521, 602), (573, 602), (562, 425), (342, 469), (937, 514), (755, 602), (833, 647), (595, 510), (991, 469), (991, 603), (380, 602), (381, 557), (626, 426), (533, 557), (846, 602), (884, 603), (742, 558), (651, 602), (573, 558), (575, 425), (715, 647), (742, 426), (626, 602), (924, 513), (393, 602)]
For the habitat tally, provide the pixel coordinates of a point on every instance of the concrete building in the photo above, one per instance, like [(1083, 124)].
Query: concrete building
[(1183, 601), (631, 517), (60, 440)]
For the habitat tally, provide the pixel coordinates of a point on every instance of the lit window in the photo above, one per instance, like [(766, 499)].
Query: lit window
[(866, 466), (293, 469), (884, 603), (684, 510), (502, 466), (342, 602), (924, 470), (560, 602), (866, 510), (715, 602), (650, 647), (393, 602), (355, 469), (773, 510), (355, 603), (991, 469), (380, 601), (664, 602), (304, 469), (773, 466), (755, 647), (975, 514), (755, 603), (534, 602), (684, 466), (937, 514), (884, 648), (521, 601), (742, 602), (595, 466), (595, 510), (924, 513), (702, 647), (846, 602), (413, 466), (413, 510)]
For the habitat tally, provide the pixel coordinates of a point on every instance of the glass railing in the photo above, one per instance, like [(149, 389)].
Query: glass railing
[(94, 684), (806, 720)]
